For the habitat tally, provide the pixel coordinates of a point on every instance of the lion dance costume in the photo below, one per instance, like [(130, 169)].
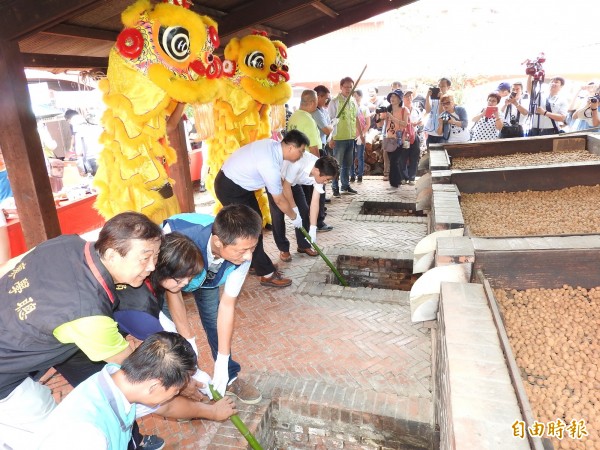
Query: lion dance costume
[(162, 57), (255, 77)]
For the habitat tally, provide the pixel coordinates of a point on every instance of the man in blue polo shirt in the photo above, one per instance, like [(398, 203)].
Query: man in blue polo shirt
[(226, 242)]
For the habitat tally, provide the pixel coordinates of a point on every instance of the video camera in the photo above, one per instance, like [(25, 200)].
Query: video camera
[(534, 67), (435, 92)]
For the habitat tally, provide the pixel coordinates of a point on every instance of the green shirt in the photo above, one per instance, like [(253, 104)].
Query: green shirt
[(303, 121), (346, 127)]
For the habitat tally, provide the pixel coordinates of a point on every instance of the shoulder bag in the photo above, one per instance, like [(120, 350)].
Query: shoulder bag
[(514, 130), (389, 144)]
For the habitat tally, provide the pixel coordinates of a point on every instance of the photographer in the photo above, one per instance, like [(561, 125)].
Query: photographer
[(514, 113), (587, 115), (432, 107), (551, 110), (452, 122), (489, 121)]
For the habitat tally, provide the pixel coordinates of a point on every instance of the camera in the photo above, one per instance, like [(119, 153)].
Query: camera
[(381, 110), (435, 92), (595, 98), (534, 67), (513, 94), (445, 116)]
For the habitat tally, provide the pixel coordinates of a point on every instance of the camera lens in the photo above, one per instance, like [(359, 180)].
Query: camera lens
[(513, 94), (594, 100)]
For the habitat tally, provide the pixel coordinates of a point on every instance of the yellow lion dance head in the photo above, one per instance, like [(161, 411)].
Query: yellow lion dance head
[(173, 47), (259, 66)]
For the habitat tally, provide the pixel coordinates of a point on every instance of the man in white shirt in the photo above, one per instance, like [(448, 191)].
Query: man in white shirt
[(255, 166), (551, 109), (307, 171)]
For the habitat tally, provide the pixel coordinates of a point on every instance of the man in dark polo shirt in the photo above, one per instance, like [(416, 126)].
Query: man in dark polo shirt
[(56, 310)]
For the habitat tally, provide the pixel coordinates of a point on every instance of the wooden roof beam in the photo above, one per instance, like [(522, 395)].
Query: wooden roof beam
[(41, 60), (254, 13), (76, 31), (325, 9), (22, 18), (346, 18)]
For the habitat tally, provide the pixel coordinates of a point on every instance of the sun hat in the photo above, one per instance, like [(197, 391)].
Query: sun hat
[(397, 92)]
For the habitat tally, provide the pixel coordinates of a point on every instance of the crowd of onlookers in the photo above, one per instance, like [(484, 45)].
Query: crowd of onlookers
[(512, 110)]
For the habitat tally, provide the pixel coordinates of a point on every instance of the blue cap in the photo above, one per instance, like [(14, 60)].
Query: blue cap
[(504, 86)]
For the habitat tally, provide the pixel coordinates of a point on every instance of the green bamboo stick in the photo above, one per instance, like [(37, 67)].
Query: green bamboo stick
[(239, 424), (331, 266)]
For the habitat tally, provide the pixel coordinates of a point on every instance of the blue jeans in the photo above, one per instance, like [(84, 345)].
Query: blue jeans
[(207, 301), (343, 155), (409, 159), (359, 154)]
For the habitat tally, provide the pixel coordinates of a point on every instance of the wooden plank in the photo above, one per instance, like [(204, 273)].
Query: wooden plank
[(40, 60), (347, 17), (548, 268), (513, 368), (180, 171), (22, 151), (500, 147), (21, 18), (593, 143), (64, 29), (535, 178), (255, 13)]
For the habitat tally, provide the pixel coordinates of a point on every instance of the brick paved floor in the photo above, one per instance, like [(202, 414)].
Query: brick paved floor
[(358, 354)]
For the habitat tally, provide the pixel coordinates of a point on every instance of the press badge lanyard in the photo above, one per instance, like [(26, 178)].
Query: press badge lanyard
[(96, 272)]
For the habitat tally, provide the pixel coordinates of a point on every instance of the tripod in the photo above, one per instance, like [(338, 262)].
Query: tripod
[(535, 97)]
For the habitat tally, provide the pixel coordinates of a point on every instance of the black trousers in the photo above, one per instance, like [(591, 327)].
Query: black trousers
[(278, 219), (230, 193), (79, 368)]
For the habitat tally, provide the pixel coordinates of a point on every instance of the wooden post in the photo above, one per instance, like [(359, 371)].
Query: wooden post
[(180, 171), (22, 150)]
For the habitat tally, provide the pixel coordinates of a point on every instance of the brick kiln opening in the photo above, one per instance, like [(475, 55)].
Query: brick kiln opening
[(372, 272), (325, 427), (390, 209)]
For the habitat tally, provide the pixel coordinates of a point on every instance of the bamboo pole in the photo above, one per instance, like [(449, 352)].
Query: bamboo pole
[(343, 281), (239, 424)]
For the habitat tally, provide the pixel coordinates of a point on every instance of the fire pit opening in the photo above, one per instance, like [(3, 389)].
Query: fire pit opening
[(286, 427), (373, 272), (390, 209)]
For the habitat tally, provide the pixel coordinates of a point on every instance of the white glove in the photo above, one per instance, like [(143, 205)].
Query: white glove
[(312, 232), (221, 375), (192, 342), (297, 222), (203, 377)]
